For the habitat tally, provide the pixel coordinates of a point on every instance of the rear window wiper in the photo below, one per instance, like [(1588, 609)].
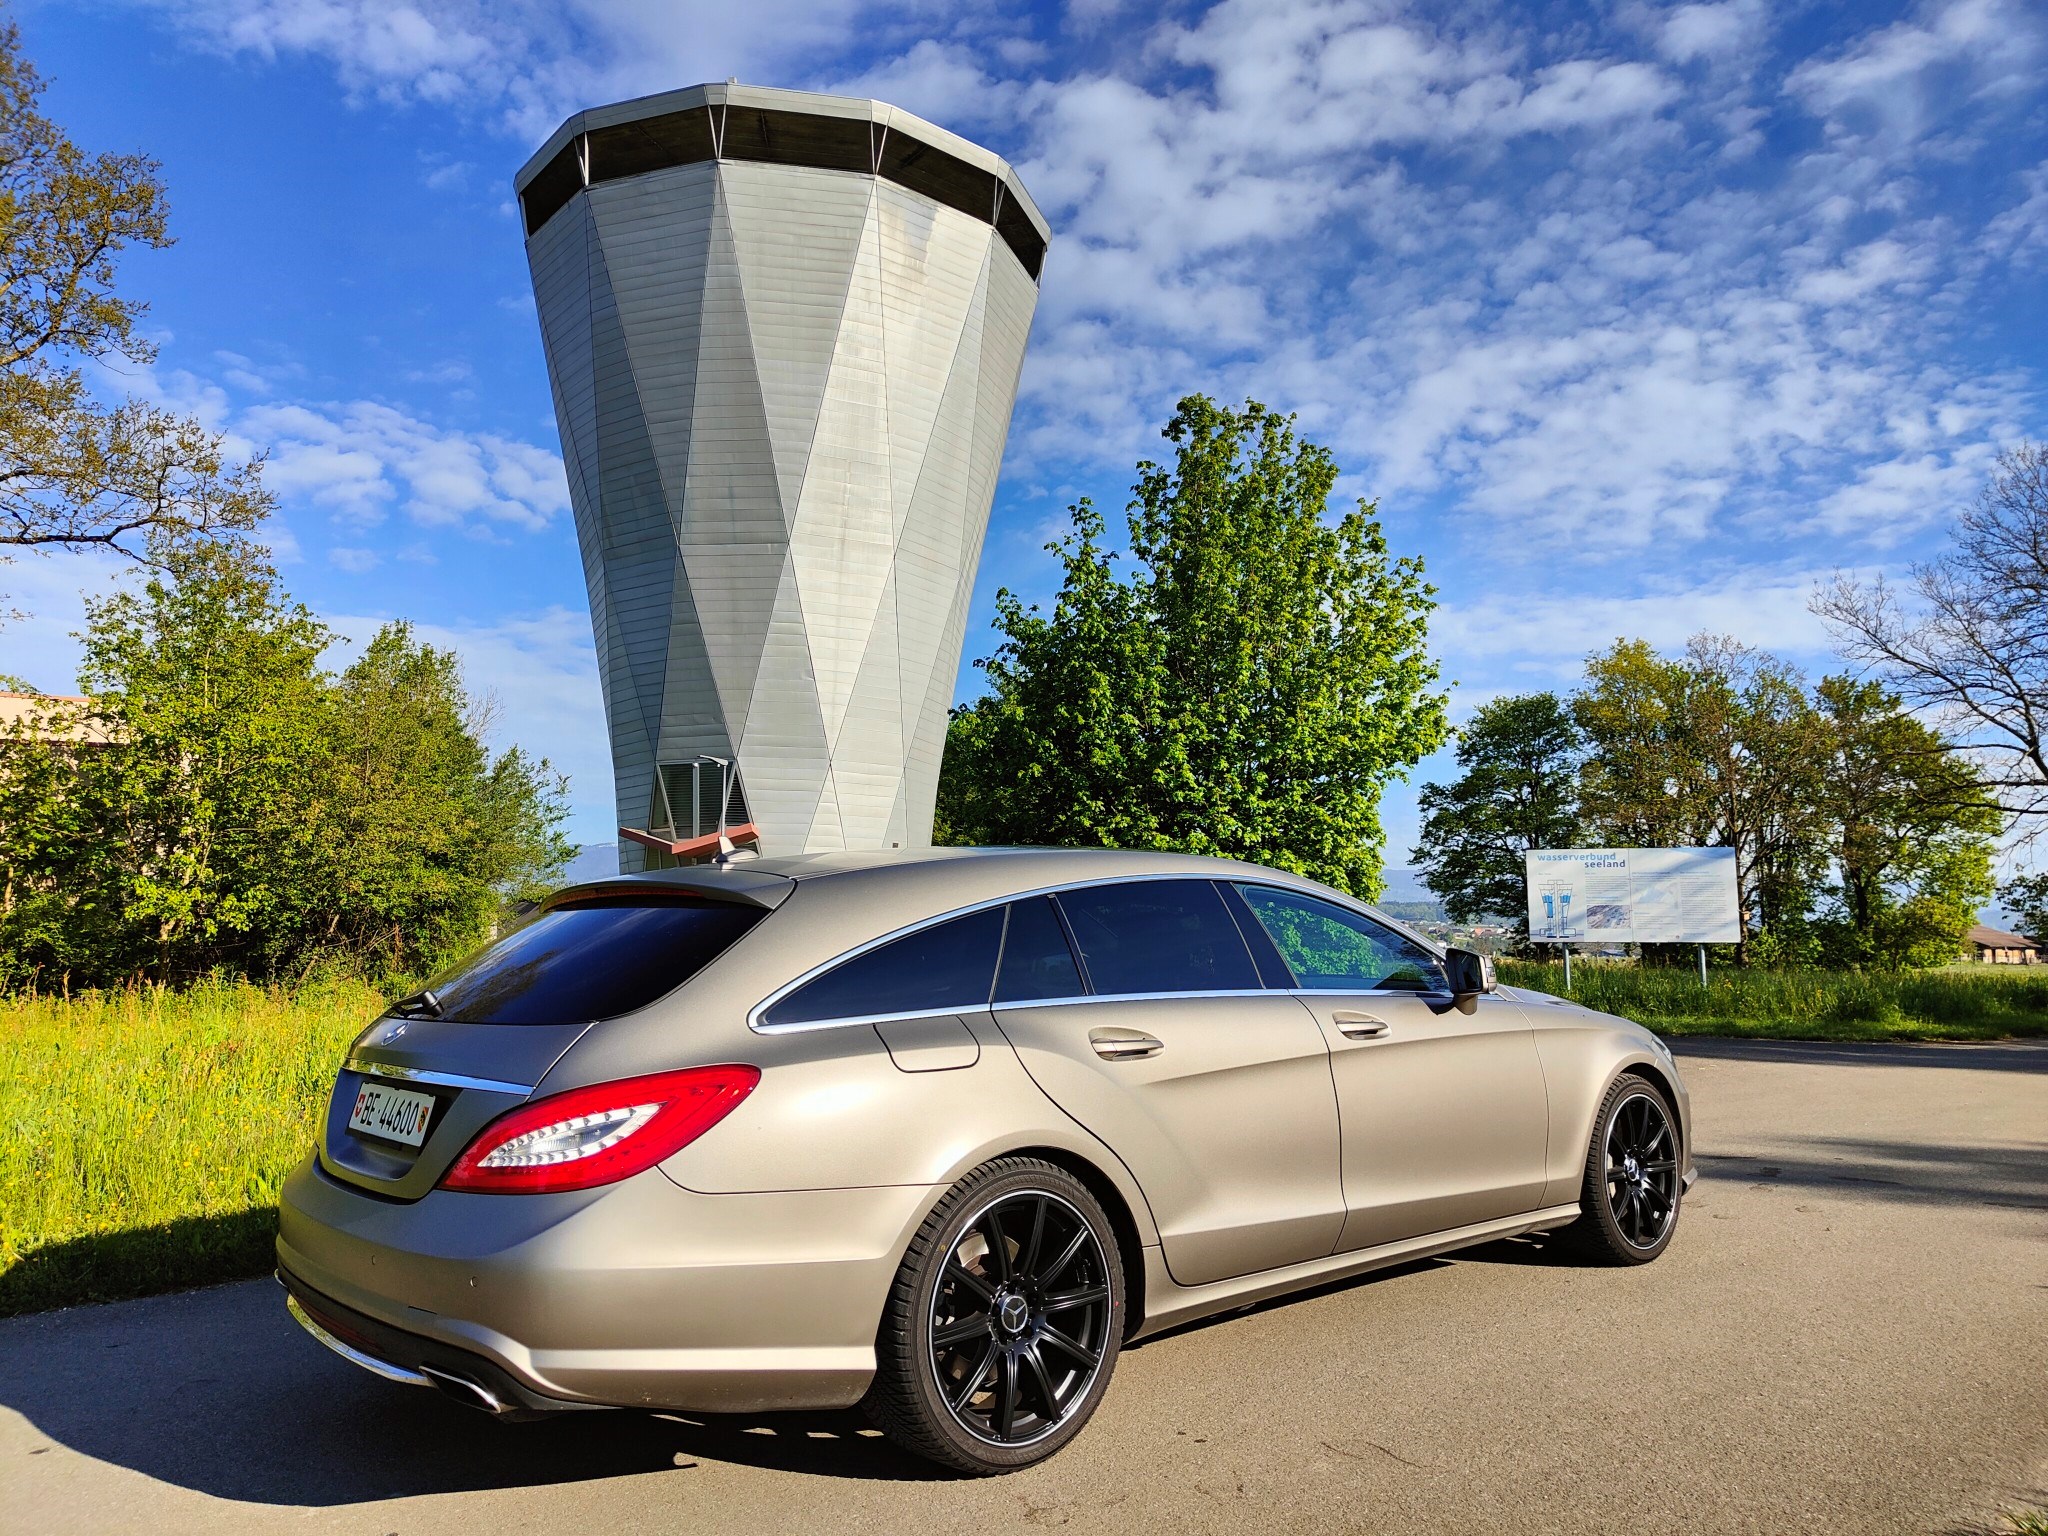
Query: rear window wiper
[(420, 1002)]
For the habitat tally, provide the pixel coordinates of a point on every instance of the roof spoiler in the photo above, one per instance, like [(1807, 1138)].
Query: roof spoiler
[(748, 887)]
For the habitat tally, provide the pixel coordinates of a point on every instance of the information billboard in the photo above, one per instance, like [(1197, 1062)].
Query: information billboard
[(1633, 896)]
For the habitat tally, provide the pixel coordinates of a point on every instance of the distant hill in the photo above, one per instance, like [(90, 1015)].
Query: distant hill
[(593, 861), (1403, 884), (1414, 911)]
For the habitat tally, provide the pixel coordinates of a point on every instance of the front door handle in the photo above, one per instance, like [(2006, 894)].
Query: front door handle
[(1358, 1026), (1124, 1044)]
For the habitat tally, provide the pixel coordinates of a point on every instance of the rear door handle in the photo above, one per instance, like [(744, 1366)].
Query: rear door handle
[(1124, 1044), (1358, 1026)]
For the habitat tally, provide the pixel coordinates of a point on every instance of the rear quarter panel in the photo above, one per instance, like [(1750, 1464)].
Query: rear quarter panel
[(834, 1108)]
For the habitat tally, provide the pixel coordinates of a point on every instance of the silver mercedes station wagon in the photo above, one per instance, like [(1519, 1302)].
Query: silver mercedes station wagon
[(938, 1134)]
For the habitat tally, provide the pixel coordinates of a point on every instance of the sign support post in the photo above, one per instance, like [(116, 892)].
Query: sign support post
[(1703, 967), (1567, 966)]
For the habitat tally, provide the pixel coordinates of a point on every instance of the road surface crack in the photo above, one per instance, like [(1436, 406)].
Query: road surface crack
[(1396, 1455)]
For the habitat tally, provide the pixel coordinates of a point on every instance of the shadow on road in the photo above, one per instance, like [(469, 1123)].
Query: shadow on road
[(1922, 1172), (1960, 1055), (220, 1392)]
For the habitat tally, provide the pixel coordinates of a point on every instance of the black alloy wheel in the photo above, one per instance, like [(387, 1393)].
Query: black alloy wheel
[(1004, 1323), (1629, 1201), (1020, 1317), (1642, 1169)]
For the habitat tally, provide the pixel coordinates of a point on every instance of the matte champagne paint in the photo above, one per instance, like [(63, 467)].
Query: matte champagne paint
[(1260, 1151)]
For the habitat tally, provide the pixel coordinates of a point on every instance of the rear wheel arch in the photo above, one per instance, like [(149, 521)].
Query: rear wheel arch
[(1130, 1245)]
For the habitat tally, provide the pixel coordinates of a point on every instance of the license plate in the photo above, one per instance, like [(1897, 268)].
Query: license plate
[(400, 1114)]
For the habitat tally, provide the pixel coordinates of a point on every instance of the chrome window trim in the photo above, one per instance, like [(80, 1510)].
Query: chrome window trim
[(760, 1026), (400, 1074)]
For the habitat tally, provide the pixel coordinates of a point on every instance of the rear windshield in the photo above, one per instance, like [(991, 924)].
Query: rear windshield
[(592, 960)]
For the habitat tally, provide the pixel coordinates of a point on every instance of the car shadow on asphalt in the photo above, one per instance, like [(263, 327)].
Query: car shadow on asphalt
[(218, 1391), (2014, 1176)]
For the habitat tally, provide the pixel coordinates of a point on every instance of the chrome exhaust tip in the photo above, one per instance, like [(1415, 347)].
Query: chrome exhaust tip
[(469, 1393)]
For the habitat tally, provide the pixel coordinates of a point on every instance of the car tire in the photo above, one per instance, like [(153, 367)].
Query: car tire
[(1634, 1180), (1004, 1322)]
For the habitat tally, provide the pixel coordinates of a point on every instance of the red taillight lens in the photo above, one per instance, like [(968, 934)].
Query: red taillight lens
[(600, 1134)]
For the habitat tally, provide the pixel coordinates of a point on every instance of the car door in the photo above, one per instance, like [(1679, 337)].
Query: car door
[(1445, 1116), (1214, 1092)]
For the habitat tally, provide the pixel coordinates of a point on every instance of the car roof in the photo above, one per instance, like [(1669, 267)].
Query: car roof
[(901, 884), (1033, 866)]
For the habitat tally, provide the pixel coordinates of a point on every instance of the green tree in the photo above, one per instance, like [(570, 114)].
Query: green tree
[(1518, 790), (2026, 897), (1912, 828), (1718, 748), (75, 471), (243, 809), (433, 833), (1249, 690), (208, 679)]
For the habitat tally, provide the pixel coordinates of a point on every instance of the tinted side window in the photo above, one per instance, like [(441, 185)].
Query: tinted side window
[(593, 960), (1037, 961), (1332, 950), (1158, 936), (948, 965)]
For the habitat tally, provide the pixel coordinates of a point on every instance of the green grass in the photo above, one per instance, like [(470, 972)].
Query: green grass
[(1955, 1004), (144, 1134)]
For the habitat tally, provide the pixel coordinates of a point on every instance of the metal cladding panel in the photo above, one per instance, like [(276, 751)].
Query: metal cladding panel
[(730, 526), (841, 539), (783, 394), (795, 234), (653, 231), (783, 746), (867, 758), (639, 575), (932, 260)]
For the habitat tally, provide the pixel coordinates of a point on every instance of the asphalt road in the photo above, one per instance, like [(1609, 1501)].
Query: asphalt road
[(1850, 1333)]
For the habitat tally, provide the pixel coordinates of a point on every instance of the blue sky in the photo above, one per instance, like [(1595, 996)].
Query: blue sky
[(1636, 319)]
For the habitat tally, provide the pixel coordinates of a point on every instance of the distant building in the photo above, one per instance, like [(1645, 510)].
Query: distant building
[(50, 717), (1991, 946)]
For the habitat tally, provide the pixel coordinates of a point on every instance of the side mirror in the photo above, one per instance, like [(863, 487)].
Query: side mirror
[(1471, 976)]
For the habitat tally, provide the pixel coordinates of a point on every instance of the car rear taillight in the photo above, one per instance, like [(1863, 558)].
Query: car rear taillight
[(599, 1134)]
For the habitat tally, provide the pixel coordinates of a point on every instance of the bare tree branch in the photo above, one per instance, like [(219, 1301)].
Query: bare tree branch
[(1967, 642)]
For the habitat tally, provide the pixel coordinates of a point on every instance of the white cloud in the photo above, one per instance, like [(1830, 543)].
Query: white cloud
[(362, 459), (2020, 232), (1890, 500), (1880, 264), (1549, 635), (356, 561), (1711, 32), (526, 63), (941, 82), (1894, 84)]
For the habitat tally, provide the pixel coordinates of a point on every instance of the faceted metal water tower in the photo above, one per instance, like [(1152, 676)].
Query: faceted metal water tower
[(783, 333)]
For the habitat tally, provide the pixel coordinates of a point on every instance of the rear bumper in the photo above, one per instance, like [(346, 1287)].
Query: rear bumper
[(640, 1294), (412, 1359)]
